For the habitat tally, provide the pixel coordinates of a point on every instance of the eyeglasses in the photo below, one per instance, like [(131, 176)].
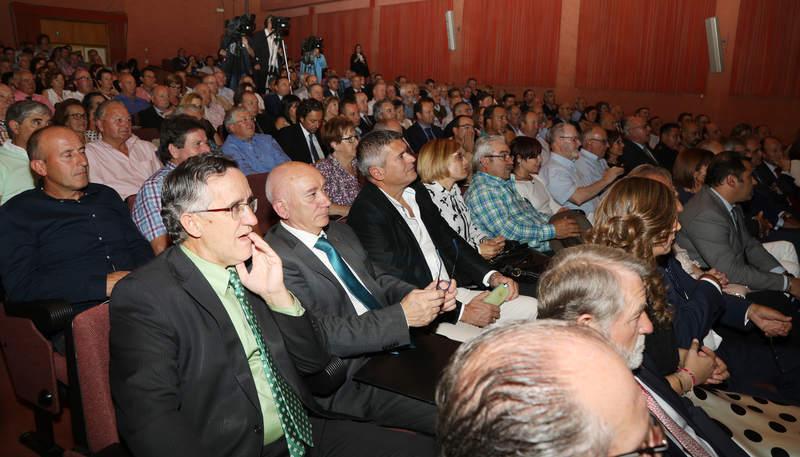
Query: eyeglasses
[(82, 78), (656, 442), (598, 140), (504, 156), (350, 139), (465, 126), (237, 210), (77, 116), (570, 138), (245, 119)]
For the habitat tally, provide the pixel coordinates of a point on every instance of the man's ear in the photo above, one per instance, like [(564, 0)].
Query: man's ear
[(14, 127), (281, 209), (39, 168), (377, 173), (731, 180), (585, 319), (190, 225)]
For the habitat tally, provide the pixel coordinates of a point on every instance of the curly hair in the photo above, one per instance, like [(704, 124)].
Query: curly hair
[(636, 214)]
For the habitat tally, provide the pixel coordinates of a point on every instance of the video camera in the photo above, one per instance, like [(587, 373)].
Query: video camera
[(280, 25), (243, 25)]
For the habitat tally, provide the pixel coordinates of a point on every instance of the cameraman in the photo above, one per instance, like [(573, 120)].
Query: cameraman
[(236, 48), (313, 61), (265, 44)]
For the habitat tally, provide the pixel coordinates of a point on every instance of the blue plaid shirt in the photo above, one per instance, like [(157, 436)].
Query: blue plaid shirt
[(498, 209), (146, 211)]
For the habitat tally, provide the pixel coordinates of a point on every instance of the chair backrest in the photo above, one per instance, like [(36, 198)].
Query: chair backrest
[(31, 362), (266, 215), (90, 333)]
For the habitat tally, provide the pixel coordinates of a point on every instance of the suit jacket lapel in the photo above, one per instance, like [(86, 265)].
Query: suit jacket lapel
[(736, 237), (195, 284), (382, 200)]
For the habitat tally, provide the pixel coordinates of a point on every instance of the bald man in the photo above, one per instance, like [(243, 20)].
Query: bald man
[(67, 239), (360, 311), (127, 95), (160, 107)]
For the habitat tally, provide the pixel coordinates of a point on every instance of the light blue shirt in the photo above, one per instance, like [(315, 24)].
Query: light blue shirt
[(259, 155), (562, 179), (591, 166)]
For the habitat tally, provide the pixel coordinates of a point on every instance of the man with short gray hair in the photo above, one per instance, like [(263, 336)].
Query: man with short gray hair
[(254, 152), (522, 389), (637, 138), (23, 119), (609, 290), (499, 210)]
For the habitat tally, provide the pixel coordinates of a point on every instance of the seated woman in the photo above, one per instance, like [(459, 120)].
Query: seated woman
[(90, 103), (339, 167), (176, 87), (615, 148), (526, 152), (640, 215), (440, 165), (289, 117), (330, 108), (192, 105), (689, 172), (71, 114)]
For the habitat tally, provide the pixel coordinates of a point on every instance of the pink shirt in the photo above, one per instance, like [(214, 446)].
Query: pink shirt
[(215, 114), (143, 94), (125, 174), (19, 96)]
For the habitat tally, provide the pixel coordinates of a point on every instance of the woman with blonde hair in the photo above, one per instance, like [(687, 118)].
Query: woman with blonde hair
[(440, 165), (640, 216)]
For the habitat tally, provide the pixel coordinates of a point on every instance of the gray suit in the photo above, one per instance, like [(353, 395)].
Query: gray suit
[(345, 333), (710, 236)]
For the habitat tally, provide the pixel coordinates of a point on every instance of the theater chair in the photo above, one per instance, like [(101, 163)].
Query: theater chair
[(265, 214), (36, 369)]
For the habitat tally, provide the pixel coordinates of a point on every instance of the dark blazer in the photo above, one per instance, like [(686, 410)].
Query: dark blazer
[(273, 105), (180, 380), (695, 417), (258, 42), (393, 248), (365, 125), (781, 184), (295, 144), (633, 156), (149, 118), (344, 333), (665, 155), (416, 136)]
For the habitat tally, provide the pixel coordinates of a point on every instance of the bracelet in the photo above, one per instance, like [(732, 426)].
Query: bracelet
[(694, 378)]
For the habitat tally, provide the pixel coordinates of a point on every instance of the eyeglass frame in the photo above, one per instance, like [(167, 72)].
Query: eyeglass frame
[(663, 445), (251, 203)]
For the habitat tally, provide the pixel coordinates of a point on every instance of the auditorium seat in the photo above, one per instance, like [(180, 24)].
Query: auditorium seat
[(266, 215)]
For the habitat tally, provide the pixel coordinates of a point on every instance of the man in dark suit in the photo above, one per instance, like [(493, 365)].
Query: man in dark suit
[(404, 235), (666, 151), (301, 141), (208, 357), (772, 172), (152, 117), (265, 50), (423, 129), (569, 289), (365, 121), (273, 100), (636, 151), (356, 320)]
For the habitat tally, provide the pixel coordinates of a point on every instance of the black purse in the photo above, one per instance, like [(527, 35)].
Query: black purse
[(520, 262)]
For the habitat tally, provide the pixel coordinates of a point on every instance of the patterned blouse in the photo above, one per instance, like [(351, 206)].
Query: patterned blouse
[(453, 209), (341, 187)]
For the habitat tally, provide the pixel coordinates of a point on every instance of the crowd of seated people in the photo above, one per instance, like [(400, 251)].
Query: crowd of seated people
[(399, 206)]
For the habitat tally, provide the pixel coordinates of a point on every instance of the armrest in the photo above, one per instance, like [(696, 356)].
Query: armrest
[(327, 381), (49, 316)]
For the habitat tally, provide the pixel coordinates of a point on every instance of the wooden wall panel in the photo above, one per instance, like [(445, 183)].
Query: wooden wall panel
[(413, 41), (300, 29), (767, 58), (643, 45), (341, 31), (511, 43)]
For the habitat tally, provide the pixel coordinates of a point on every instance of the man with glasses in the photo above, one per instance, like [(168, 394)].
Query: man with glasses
[(120, 160), (23, 118), (608, 289), (67, 239), (182, 137), (578, 186), (543, 388), (6, 100), (83, 83), (637, 138), (212, 357), (253, 152), (464, 133), (499, 210)]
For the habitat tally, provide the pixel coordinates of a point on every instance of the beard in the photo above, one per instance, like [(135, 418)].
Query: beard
[(633, 357)]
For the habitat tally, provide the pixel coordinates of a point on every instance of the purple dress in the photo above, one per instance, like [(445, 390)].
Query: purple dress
[(341, 187)]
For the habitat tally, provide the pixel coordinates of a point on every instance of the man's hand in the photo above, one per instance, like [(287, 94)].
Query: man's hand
[(265, 277), (772, 322), (479, 313), (112, 279), (421, 306), (794, 287), (700, 363), (612, 173), (721, 277), (513, 288), (566, 227), (490, 247), (720, 373), (764, 226), (449, 297)]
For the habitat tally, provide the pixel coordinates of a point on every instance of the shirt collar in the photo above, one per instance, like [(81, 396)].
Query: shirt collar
[(9, 144), (305, 132), (728, 206), (562, 160), (589, 155), (216, 275), (407, 193), (308, 239)]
